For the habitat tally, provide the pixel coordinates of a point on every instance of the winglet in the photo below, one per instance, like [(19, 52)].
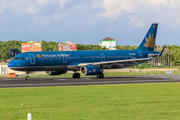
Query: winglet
[(162, 51)]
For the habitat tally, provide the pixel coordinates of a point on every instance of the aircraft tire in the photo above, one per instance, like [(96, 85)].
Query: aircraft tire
[(76, 75), (97, 76), (101, 75), (27, 78)]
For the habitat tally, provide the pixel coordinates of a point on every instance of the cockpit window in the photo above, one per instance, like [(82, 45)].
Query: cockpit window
[(19, 58)]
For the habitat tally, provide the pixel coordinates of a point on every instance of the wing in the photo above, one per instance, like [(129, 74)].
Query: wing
[(117, 63), (123, 63)]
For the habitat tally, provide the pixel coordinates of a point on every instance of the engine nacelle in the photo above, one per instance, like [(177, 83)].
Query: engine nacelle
[(90, 70), (55, 72)]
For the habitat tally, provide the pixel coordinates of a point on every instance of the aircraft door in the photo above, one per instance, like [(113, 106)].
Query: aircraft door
[(32, 58), (140, 54), (64, 58), (102, 57)]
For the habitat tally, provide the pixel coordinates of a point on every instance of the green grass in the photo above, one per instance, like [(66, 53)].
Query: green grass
[(106, 102), (155, 67), (140, 73), (164, 67)]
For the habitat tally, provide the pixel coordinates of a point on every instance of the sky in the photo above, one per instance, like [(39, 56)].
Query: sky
[(88, 21)]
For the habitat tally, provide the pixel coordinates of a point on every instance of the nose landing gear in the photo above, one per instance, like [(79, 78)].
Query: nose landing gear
[(27, 77)]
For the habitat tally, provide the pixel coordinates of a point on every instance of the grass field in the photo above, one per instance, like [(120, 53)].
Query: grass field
[(106, 102)]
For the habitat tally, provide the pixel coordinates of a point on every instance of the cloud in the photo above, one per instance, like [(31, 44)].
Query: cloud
[(86, 14), (43, 2), (30, 7), (141, 12), (137, 12)]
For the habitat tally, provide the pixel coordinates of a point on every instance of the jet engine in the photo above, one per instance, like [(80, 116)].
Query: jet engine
[(90, 70), (55, 72)]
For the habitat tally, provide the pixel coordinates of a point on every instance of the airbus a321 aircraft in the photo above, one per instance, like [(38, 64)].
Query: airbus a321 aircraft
[(87, 62)]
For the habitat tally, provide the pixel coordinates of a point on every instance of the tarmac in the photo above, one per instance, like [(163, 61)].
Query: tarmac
[(42, 82)]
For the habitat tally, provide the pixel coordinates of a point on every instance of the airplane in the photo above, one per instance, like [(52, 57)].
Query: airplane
[(87, 62)]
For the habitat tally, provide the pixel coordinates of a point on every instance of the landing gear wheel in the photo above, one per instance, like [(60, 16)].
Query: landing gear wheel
[(101, 75), (76, 75), (97, 76), (27, 78)]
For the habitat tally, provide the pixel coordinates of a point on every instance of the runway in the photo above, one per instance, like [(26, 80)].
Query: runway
[(40, 82)]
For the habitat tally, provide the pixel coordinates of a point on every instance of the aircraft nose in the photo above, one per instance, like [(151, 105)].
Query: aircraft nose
[(11, 64)]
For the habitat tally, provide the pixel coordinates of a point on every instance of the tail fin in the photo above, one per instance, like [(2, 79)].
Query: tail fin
[(148, 42)]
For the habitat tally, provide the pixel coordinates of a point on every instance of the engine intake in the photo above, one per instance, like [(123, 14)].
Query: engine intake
[(90, 70), (55, 72)]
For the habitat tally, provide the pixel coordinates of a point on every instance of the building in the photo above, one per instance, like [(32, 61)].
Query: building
[(67, 46), (109, 43)]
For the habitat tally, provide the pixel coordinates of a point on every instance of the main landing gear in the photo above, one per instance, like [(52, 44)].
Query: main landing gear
[(27, 77), (101, 75), (76, 75)]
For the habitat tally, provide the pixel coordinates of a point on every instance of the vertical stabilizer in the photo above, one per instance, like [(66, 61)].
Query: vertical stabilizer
[(148, 42)]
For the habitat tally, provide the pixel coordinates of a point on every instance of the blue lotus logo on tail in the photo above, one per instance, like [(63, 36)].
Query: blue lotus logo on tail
[(150, 41)]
